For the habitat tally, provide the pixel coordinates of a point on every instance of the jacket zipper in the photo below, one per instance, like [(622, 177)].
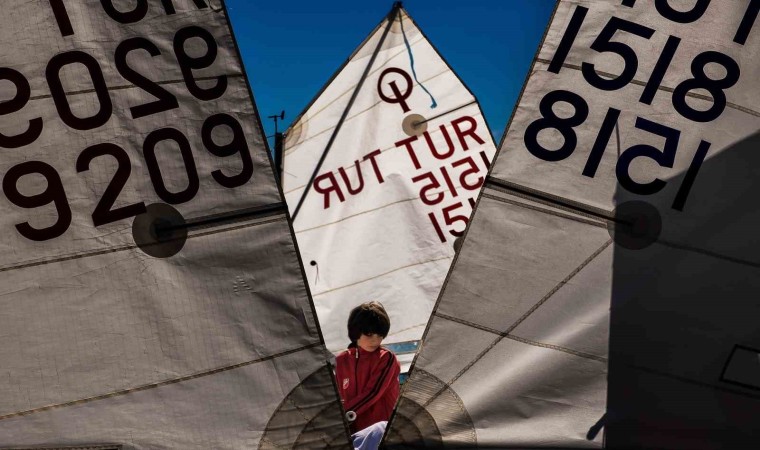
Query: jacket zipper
[(356, 374)]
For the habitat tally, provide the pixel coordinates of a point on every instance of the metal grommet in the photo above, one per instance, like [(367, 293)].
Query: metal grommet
[(160, 231), (636, 226), (414, 125)]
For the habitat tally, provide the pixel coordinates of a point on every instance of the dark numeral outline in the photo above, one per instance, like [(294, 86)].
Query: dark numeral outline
[(103, 213), (664, 158), (668, 12), (149, 153), (600, 144), (700, 7), (660, 69), (434, 184), (55, 193), (473, 170), (700, 80), (136, 15), (691, 175), (604, 44), (564, 125), (188, 63), (61, 17), (748, 22), (166, 100), (563, 49), (52, 73), (23, 94), (451, 220), (239, 145)]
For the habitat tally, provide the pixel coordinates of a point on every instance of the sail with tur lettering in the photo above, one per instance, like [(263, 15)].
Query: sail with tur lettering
[(152, 295), (605, 291), (380, 173)]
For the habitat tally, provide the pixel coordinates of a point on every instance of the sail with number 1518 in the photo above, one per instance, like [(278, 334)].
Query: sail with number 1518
[(605, 294)]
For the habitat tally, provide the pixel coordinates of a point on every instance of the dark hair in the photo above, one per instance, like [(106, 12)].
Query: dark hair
[(369, 317)]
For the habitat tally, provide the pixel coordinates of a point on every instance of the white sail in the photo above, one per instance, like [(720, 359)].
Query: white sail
[(380, 172), (189, 326), (640, 118)]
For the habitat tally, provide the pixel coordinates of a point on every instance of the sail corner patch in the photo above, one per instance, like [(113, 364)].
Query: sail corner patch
[(78, 447), (743, 368)]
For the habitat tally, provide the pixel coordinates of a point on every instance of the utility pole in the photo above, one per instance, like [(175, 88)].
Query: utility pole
[(278, 146)]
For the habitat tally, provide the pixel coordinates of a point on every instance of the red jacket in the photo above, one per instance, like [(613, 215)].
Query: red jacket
[(368, 384)]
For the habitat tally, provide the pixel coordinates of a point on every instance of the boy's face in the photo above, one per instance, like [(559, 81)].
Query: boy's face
[(369, 342)]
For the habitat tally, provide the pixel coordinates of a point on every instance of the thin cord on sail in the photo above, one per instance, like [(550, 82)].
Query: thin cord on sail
[(316, 279), (416, 124), (159, 384), (391, 19), (506, 333), (411, 62)]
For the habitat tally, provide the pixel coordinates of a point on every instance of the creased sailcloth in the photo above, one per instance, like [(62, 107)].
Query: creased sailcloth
[(215, 347), (401, 171), (553, 332)]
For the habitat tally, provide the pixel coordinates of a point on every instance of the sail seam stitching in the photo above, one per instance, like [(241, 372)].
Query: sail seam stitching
[(405, 200), (731, 105), (502, 335), (273, 444), (310, 422), (382, 275), (569, 206), (462, 409), (127, 247), (545, 211), (556, 347), (690, 381), (464, 370), (522, 339), (438, 116), (160, 383), (299, 144), (559, 286), (549, 199), (306, 419), (196, 223), (132, 86), (708, 253)]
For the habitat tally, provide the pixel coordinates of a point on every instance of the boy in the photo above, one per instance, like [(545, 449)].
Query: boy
[(367, 374)]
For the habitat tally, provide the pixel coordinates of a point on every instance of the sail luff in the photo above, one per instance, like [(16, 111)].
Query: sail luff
[(477, 202), (391, 19), (525, 79), (370, 231), (462, 81)]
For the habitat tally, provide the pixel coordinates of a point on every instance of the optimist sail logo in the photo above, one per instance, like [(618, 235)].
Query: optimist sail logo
[(345, 383)]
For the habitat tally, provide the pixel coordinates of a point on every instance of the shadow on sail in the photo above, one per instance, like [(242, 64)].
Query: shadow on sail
[(418, 415), (305, 407), (605, 292), (684, 356)]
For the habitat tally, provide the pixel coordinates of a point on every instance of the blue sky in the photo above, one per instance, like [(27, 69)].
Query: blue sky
[(292, 47)]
